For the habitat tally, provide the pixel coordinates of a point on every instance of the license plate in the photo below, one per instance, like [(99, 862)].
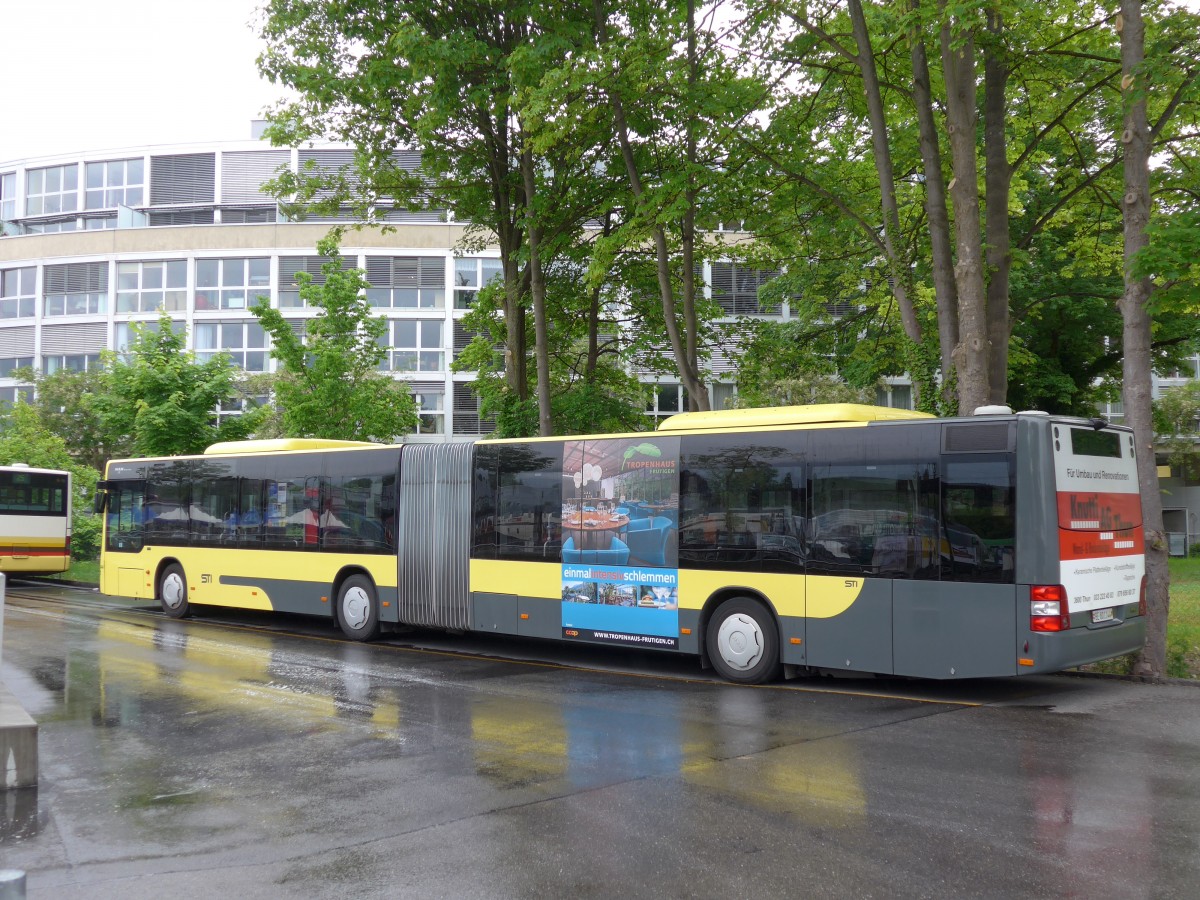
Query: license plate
[(1102, 615)]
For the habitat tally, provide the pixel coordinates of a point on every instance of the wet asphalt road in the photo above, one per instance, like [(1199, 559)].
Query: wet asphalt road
[(212, 758)]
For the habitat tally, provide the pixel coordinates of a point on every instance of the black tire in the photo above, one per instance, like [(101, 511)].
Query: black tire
[(743, 642), (173, 592), (358, 609)]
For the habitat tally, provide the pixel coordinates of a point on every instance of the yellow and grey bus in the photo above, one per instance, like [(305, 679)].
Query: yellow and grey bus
[(35, 520), (799, 540)]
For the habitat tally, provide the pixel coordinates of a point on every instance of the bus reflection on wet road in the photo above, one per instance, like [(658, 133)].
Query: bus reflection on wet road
[(207, 757)]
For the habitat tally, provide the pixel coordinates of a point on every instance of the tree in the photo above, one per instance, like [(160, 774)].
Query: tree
[(1135, 311), (66, 401), (160, 402), (330, 386)]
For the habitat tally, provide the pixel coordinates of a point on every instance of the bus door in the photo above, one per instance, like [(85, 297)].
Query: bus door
[(873, 529), (954, 619)]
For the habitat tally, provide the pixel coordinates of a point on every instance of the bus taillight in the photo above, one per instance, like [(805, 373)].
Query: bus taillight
[(1142, 598), (1048, 608)]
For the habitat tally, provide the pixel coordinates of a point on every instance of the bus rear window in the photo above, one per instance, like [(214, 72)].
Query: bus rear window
[(1087, 442)]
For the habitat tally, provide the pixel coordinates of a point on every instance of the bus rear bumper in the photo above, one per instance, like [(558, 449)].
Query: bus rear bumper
[(1053, 652)]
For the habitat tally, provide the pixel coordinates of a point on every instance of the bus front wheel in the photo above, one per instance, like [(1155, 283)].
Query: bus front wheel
[(358, 609), (743, 642), (173, 592)]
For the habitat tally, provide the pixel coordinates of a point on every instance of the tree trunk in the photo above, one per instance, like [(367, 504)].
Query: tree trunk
[(1136, 394), (898, 269), (971, 354), (695, 401), (997, 183), (944, 288), (541, 347), (688, 371)]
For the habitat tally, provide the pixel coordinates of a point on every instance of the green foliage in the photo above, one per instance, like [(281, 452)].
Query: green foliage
[(86, 534), (66, 402), (161, 402), (330, 386)]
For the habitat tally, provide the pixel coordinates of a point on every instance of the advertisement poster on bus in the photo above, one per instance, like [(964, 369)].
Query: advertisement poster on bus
[(620, 558), (1101, 547)]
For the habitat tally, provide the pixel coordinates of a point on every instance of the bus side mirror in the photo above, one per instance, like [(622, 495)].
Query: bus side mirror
[(100, 501)]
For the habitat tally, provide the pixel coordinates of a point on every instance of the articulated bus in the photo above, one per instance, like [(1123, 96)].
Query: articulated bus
[(801, 540), (35, 520)]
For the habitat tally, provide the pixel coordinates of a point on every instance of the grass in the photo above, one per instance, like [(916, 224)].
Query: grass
[(1183, 624), (81, 570)]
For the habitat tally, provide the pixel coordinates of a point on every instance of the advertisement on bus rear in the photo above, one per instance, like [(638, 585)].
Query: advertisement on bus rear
[(1100, 539)]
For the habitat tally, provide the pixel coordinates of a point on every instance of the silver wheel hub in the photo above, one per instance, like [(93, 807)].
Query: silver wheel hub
[(174, 592), (740, 642), (356, 607)]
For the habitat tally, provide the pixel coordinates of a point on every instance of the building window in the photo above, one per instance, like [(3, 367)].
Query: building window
[(407, 282), (10, 364), (73, 362), (245, 342), (10, 395), (470, 275), (112, 183), (232, 283), (99, 223), (8, 196), (123, 333), (735, 287), (291, 266), (148, 286), (416, 346), (17, 299), (897, 396), (431, 405), (52, 227), (75, 289), (666, 400), (234, 408), (52, 190)]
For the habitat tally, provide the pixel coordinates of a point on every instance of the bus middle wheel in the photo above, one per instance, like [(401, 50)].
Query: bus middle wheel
[(358, 609)]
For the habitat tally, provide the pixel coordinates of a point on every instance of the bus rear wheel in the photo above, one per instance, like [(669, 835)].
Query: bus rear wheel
[(173, 592), (358, 609), (743, 642)]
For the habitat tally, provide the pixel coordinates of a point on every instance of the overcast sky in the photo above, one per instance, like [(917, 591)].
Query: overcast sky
[(99, 74)]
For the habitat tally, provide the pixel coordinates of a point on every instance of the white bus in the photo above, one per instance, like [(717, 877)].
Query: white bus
[(35, 520)]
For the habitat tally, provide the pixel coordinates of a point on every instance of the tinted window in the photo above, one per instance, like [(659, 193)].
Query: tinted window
[(979, 520), (168, 494), (529, 499), (33, 494), (875, 519), (1088, 442), (483, 498), (742, 502)]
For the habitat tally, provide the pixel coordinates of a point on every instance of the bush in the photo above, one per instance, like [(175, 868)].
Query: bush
[(85, 536)]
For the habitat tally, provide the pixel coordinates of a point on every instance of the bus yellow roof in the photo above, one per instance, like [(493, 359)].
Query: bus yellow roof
[(282, 445), (817, 414)]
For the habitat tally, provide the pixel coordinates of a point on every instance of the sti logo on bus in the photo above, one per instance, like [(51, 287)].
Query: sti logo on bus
[(206, 579), (851, 582)]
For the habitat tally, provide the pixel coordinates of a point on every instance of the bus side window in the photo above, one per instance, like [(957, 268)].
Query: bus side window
[(979, 521)]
